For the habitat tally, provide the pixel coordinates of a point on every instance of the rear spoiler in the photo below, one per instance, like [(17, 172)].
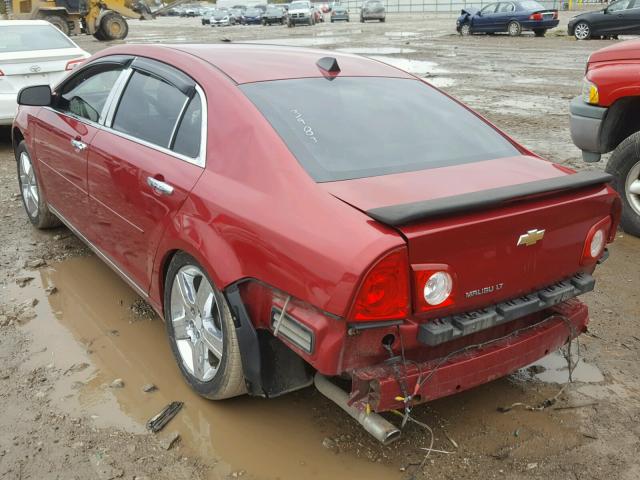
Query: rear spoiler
[(397, 215)]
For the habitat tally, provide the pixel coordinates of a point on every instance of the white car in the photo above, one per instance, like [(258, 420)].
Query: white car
[(32, 52), (300, 12)]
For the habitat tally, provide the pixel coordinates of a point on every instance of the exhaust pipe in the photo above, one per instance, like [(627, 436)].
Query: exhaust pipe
[(381, 429)]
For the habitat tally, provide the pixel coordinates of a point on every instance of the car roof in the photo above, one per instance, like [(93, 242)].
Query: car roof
[(248, 63)]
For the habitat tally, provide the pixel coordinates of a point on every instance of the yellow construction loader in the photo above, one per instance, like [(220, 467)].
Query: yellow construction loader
[(104, 19)]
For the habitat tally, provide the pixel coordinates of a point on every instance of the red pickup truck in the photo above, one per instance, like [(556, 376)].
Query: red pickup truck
[(605, 118)]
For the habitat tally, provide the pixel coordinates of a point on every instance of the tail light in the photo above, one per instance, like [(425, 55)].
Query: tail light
[(555, 15), (72, 64), (434, 286), (1, 73), (596, 240), (384, 292), (535, 16)]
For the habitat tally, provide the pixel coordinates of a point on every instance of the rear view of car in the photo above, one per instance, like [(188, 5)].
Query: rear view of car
[(339, 13), (253, 16), (32, 52), (273, 15), (373, 10)]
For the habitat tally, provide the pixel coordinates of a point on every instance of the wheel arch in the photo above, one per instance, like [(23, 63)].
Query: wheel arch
[(619, 123), (16, 138)]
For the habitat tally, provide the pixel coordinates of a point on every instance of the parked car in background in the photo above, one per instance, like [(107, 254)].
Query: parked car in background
[(261, 6), (238, 15), (422, 249), (618, 18), (190, 11), (339, 13), (605, 119), (222, 18), (32, 52), (372, 10), (206, 16), (318, 15), (510, 17), (300, 12), (253, 16), (273, 15)]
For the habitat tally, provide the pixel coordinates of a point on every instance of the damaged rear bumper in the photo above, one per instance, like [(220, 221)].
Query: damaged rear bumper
[(380, 386)]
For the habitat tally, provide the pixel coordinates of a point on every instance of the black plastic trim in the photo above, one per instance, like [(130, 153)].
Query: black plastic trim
[(357, 326), (175, 77), (436, 332), (410, 212), (247, 340)]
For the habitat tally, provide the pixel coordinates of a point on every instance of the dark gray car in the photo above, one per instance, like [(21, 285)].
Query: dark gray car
[(372, 10)]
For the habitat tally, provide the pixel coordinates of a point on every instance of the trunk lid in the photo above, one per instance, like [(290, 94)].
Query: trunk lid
[(481, 245)]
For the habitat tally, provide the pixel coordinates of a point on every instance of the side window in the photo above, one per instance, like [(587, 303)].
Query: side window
[(187, 140), (86, 94), (491, 8), (506, 7), (149, 109), (619, 5)]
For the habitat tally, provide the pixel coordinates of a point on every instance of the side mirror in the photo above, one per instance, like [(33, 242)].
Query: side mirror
[(35, 96)]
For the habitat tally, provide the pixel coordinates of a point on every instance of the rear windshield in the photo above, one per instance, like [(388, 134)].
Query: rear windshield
[(22, 38), (354, 127)]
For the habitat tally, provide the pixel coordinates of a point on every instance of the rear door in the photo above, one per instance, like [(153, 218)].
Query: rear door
[(144, 163), (616, 20), (505, 13), (63, 134), (631, 16)]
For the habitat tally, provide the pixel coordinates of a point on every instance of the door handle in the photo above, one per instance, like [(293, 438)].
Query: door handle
[(78, 145), (159, 186)]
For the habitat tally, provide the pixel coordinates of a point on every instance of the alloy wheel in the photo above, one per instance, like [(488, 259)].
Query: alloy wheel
[(582, 31), (465, 29), (29, 185), (632, 188), (196, 321)]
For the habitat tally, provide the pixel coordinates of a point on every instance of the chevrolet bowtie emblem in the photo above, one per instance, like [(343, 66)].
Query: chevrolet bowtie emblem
[(531, 237)]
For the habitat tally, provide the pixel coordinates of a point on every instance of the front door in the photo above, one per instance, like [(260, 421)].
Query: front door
[(141, 169), (63, 134)]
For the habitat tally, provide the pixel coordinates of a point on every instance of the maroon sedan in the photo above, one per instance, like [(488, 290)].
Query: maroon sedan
[(295, 214)]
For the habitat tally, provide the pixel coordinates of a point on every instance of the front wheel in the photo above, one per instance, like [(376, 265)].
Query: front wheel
[(540, 32), (58, 22), (201, 331), (624, 165), (382, 20), (113, 26), (465, 30), (33, 198), (514, 29), (582, 31)]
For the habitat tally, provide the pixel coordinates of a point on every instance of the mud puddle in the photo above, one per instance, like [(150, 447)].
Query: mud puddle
[(554, 369), (375, 50), (88, 330), (302, 41)]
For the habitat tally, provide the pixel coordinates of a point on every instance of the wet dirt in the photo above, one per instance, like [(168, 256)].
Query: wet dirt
[(60, 352)]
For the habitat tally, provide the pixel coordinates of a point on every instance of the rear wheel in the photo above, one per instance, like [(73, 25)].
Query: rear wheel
[(539, 32), (383, 20), (465, 29), (113, 26), (582, 31), (624, 165), (514, 29), (58, 22), (33, 198), (201, 331)]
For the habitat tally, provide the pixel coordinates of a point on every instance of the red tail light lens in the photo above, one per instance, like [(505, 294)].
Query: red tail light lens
[(596, 240), (535, 16), (384, 292), (71, 64), (435, 285), (555, 15), (1, 73)]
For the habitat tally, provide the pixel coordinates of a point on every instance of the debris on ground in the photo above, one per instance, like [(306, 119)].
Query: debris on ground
[(169, 442), (117, 383), (149, 387), (160, 420), (23, 281)]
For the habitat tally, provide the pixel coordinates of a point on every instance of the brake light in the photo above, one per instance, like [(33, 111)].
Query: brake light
[(535, 16), (434, 286), (596, 240), (384, 292), (72, 64), (555, 15), (1, 73)]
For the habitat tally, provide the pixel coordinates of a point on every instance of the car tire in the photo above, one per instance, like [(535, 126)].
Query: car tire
[(33, 197), (624, 165), (540, 32), (514, 29), (582, 31), (465, 29), (192, 333), (382, 20), (58, 22)]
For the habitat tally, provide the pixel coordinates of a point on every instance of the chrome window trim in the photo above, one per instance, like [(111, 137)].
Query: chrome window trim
[(104, 257), (179, 121)]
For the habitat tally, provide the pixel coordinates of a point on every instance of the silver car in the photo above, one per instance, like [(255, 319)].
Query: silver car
[(372, 10)]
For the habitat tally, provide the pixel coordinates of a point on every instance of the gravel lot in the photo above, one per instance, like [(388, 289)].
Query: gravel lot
[(69, 327)]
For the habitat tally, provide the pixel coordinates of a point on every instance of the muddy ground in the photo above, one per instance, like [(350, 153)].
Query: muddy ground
[(70, 328)]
